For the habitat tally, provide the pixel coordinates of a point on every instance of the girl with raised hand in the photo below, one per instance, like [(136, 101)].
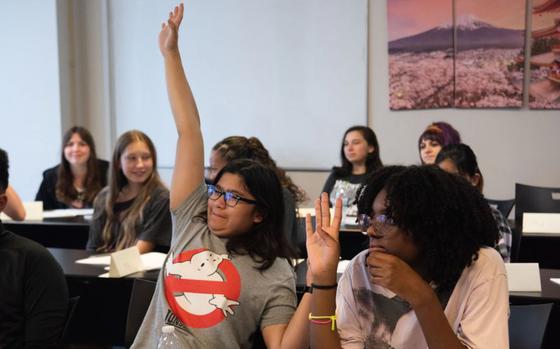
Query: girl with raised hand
[(430, 278), (78, 178), (228, 273), (239, 147), (359, 155), (460, 159), (133, 210)]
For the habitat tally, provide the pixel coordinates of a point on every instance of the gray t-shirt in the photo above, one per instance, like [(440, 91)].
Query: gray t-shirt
[(213, 299)]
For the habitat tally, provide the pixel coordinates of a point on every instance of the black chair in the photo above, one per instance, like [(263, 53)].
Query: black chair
[(140, 298), (72, 304), (535, 199), (504, 206), (515, 244), (527, 325)]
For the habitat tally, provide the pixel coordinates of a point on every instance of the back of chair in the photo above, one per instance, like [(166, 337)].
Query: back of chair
[(535, 199), (504, 206), (140, 298), (527, 325)]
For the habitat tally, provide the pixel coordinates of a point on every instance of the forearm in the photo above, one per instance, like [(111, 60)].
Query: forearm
[(15, 207), (323, 303), (296, 334), (189, 159)]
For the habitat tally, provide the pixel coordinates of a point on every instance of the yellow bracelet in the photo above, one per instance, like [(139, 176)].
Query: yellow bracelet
[(331, 318)]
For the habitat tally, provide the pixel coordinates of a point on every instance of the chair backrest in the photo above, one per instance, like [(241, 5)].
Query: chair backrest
[(72, 304), (515, 244), (140, 298), (527, 325), (535, 199), (504, 206)]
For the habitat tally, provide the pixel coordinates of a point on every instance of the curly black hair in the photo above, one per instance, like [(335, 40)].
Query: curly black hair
[(447, 217)]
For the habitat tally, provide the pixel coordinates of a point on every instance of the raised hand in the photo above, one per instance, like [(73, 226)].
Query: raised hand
[(323, 248), (168, 35)]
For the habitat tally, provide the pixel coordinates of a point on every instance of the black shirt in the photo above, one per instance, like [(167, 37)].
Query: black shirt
[(47, 189), (33, 294)]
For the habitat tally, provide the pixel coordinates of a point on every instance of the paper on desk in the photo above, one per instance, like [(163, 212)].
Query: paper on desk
[(151, 260), (555, 280), (541, 223), (68, 212)]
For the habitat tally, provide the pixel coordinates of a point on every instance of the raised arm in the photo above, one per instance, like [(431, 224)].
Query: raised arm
[(14, 208), (189, 158)]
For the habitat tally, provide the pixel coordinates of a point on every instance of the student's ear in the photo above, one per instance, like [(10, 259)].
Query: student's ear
[(475, 180), (257, 217), (371, 149), (3, 201)]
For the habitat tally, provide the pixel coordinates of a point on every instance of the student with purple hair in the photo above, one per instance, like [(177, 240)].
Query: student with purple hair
[(436, 136)]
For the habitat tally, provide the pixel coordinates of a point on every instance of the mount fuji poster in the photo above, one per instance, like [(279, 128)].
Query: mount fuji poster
[(420, 54), (482, 69), (489, 61)]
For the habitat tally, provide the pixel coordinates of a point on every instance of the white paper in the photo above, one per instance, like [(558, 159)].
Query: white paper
[(342, 265), (150, 261), (33, 211), (68, 212), (555, 280), (541, 223), (523, 277)]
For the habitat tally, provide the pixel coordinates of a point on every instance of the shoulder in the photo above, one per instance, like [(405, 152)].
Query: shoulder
[(31, 251), (51, 172), (488, 265), (280, 272)]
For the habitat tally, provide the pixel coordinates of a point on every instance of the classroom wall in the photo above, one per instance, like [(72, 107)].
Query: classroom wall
[(30, 121), (512, 145)]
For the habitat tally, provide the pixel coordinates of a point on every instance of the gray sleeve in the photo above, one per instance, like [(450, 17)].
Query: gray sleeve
[(156, 223), (194, 205), (282, 303)]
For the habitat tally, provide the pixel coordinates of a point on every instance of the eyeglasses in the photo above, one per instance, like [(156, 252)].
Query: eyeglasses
[(231, 199), (378, 222)]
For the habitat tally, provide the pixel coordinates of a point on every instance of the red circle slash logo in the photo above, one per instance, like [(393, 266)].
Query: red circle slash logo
[(201, 287)]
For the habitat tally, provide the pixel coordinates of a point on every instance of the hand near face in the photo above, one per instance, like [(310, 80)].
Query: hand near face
[(396, 275), (323, 249), (168, 36)]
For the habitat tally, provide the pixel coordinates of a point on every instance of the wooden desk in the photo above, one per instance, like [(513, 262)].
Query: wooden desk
[(100, 317), (54, 232)]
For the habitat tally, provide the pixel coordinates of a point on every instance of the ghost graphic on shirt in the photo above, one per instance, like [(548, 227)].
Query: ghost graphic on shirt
[(203, 265)]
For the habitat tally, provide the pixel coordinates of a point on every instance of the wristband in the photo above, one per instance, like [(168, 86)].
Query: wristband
[(323, 287)]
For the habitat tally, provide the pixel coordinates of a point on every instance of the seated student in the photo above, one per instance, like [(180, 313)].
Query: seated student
[(359, 155), (78, 178), (459, 159), (14, 207), (227, 235), (134, 208), (435, 136), (430, 278), (238, 147), (33, 293)]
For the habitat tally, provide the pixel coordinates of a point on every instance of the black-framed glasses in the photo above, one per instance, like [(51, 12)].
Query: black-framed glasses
[(378, 222), (231, 199)]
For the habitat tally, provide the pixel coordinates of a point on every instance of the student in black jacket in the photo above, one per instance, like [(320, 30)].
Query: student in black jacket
[(33, 292), (75, 182)]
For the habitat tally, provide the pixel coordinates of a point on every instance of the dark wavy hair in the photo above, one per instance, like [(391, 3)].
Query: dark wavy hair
[(373, 160), (239, 147), (266, 240), (4, 174), (446, 216), (441, 132), (464, 159), (65, 190)]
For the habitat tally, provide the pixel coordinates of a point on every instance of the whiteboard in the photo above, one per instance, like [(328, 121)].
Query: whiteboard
[(290, 72)]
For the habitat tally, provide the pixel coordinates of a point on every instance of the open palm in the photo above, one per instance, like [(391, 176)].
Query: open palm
[(323, 248), (168, 35)]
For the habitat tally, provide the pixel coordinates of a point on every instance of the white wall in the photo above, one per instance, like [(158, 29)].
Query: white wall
[(29, 90)]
